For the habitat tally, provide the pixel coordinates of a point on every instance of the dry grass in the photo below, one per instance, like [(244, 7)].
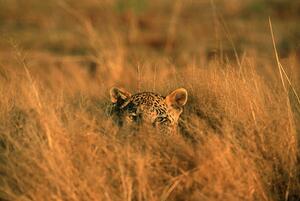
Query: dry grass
[(238, 137), (57, 142)]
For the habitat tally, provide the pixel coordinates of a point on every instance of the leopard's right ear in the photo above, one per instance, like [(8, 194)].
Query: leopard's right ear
[(177, 98), (117, 94)]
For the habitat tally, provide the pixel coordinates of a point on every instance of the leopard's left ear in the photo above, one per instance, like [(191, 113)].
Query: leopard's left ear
[(118, 94), (177, 98)]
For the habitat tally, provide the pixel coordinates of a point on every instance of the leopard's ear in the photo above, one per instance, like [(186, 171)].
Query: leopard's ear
[(177, 98), (117, 94)]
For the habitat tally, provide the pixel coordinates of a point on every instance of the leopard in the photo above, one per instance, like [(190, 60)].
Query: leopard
[(147, 108)]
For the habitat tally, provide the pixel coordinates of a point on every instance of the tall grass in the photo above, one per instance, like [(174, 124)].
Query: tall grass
[(237, 139), (58, 143)]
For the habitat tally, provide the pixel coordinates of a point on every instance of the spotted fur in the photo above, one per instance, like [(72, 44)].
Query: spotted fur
[(147, 108)]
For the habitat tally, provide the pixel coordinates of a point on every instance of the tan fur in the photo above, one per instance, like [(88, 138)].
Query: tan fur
[(148, 107)]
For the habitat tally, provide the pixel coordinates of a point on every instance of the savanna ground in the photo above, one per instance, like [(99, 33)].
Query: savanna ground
[(239, 134)]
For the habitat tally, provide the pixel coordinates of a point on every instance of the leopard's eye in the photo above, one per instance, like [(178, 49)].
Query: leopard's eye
[(160, 119), (132, 116)]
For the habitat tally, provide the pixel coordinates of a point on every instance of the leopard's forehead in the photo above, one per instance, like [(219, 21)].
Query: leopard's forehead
[(146, 102), (149, 103), (147, 98)]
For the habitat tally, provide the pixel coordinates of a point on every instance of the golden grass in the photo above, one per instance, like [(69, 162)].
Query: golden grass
[(238, 137), (58, 143)]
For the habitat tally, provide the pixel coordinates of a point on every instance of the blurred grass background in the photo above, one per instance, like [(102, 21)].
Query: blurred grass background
[(97, 33), (149, 28)]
